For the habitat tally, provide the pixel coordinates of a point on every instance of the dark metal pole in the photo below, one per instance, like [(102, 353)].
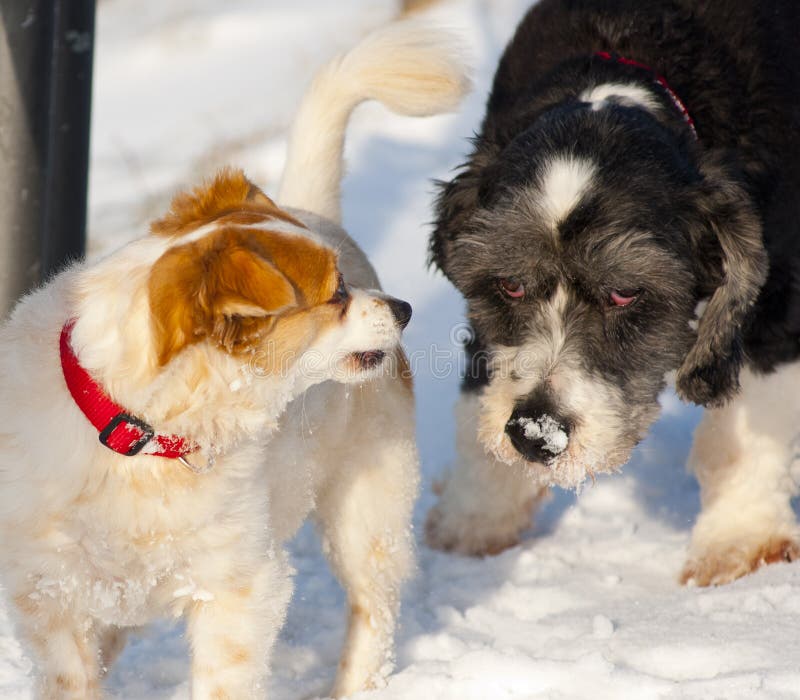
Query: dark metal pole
[(64, 233), (45, 98)]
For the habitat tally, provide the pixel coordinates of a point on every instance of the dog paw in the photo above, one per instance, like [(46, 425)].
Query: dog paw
[(725, 564), (472, 535)]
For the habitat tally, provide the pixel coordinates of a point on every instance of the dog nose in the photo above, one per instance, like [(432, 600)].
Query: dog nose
[(401, 310), (537, 439)]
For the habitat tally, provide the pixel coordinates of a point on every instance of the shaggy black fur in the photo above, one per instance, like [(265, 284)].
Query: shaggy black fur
[(720, 214)]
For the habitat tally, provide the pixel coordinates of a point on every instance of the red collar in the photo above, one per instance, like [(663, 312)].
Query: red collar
[(119, 430), (661, 80)]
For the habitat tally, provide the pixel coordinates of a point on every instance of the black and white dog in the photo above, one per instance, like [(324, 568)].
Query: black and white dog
[(630, 214)]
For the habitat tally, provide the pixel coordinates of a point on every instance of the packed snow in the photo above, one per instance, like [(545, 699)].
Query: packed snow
[(588, 606)]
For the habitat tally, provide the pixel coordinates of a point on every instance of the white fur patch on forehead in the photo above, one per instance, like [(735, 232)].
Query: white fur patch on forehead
[(525, 366), (151, 248), (626, 94), (267, 226), (562, 184), (556, 322)]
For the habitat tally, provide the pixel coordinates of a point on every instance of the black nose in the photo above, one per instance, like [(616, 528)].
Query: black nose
[(401, 310), (538, 438)]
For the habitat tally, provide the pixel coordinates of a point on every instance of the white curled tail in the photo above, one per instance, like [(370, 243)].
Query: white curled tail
[(412, 68)]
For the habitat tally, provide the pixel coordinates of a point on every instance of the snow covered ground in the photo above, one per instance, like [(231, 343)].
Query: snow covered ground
[(588, 606)]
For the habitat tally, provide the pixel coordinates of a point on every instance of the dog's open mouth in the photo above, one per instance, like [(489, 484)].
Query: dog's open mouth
[(369, 359)]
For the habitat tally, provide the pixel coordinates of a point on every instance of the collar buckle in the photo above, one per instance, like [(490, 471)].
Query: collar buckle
[(129, 421)]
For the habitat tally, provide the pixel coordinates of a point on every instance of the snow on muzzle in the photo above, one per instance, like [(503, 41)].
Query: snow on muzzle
[(538, 438)]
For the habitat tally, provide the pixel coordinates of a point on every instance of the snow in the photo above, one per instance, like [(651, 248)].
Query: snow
[(588, 606), (545, 428)]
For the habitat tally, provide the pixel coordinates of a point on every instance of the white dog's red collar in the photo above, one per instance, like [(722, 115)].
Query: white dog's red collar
[(119, 430), (660, 79)]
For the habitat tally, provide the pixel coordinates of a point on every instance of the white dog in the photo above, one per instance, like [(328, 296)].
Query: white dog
[(207, 330)]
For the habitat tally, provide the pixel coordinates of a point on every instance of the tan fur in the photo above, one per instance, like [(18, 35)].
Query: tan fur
[(232, 286), (228, 194), (728, 565), (411, 7), (235, 653), (24, 603), (68, 683)]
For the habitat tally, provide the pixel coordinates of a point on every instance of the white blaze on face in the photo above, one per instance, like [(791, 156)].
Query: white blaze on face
[(561, 186), (628, 95), (517, 371)]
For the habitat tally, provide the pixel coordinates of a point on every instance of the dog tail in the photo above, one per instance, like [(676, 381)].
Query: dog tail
[(413, 69)]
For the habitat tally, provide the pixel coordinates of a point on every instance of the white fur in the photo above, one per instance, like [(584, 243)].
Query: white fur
[(92, 542), (562, 184), (745, 457), (412, 68), (625, 94)]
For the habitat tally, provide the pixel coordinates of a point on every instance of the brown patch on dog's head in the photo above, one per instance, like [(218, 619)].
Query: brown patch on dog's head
[(230, 195), (234, 285)]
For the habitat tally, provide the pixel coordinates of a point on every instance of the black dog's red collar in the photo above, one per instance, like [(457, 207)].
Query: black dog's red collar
[(660, 79), (119, 430)]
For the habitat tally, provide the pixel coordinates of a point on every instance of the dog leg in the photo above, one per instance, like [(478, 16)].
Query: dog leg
[(742, 456), (64, 648), (232, 625), (484, 504), (364, 514)]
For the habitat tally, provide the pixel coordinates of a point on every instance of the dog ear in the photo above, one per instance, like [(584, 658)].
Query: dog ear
[(231, 295), (245, 296), (709, 374), (455, 204)]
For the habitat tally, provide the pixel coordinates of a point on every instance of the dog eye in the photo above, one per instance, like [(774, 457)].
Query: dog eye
[(623, 297), (511, 287), (341, 294)]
